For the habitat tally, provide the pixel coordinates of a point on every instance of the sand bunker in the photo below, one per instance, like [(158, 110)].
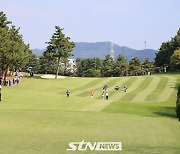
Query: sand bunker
[(50, 76)]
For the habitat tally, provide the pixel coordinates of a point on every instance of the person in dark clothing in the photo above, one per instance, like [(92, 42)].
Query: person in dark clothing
[(67, 92), (9, 82), (117, 88), (125, 88), (105, 87)]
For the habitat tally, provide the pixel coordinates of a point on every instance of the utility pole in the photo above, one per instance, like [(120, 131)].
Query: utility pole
[(112, 51), (145, 44)]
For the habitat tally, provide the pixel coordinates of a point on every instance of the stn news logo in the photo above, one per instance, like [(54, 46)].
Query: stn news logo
[(96, 146)]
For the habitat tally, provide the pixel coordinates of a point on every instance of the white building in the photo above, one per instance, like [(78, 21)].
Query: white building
[(70, 65)]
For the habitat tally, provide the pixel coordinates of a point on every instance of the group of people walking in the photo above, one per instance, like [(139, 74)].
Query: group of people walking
[(105, 93), (15, 81)]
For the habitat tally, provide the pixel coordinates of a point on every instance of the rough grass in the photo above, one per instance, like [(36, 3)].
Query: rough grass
[(36, 116)]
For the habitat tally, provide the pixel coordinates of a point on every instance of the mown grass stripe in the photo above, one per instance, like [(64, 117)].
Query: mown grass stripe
[(144, 83), (111, 85), (80, 86), (101, 104), (172, 97), (90, 84), (114, 96), (135, 88), (114, 81), (168, 90), (95, 87), (154, 96), (141, 96), (124, 81), (85, 90)]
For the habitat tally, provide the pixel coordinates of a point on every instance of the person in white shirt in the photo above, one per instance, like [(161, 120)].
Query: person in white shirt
[(107, 95)]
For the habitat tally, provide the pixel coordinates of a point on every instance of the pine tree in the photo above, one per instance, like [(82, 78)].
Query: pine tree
[(60, 46)]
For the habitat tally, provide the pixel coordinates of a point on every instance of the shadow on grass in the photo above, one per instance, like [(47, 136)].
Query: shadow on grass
[(166, 112), (152, 110)]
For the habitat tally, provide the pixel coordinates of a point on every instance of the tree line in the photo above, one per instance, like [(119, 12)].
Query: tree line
[(167, 57), (95, 67), (169, 54), (14, 53)]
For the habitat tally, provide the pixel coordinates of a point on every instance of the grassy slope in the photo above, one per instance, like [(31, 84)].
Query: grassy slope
[(36, 116)]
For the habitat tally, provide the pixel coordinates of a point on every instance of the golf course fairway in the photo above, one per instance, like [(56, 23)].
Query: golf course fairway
[(37, 117)]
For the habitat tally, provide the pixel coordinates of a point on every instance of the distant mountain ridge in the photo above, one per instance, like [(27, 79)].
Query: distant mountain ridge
[(101, 49)]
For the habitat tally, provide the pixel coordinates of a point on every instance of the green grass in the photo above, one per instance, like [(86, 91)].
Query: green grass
[(36, 116)]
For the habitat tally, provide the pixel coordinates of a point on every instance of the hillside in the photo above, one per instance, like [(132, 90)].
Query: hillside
[(101, 49)]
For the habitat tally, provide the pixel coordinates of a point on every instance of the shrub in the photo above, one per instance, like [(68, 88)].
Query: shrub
[(178, 104)]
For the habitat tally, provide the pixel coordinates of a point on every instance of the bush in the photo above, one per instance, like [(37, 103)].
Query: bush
[(92, 73), (178, 104)]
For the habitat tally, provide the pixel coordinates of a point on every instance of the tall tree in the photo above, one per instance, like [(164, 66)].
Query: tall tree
[(19, 52), (121, 66), (48, 63), (33, 62), (148, 66), (166, 50), (3, 20), (108, 66), (14, 53), (4, 41), (90, 67), (175, 60), (60, 46), (135, 67)]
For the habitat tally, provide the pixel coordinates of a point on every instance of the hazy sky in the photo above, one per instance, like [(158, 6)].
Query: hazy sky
[(124, 22)]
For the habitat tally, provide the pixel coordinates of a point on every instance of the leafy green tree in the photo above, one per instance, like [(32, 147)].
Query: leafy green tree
[(178, 104), (3, 20), (90, 67), (48, 63), (135, 67), (34, 63), (92, 73), (148, 66), (166, 50), (60, 46), (4, 42), (19, 52), (108, 67), (121, 66), (175, 60), (78, 66), (14, 53)]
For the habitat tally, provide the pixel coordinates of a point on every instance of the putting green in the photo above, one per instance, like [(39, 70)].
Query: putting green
[(37, 117)]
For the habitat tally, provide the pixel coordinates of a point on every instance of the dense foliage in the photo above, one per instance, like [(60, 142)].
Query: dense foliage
[(175, 60), (14, 53), (58, 50), (166, 57), (95, 67), (178, 104)]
